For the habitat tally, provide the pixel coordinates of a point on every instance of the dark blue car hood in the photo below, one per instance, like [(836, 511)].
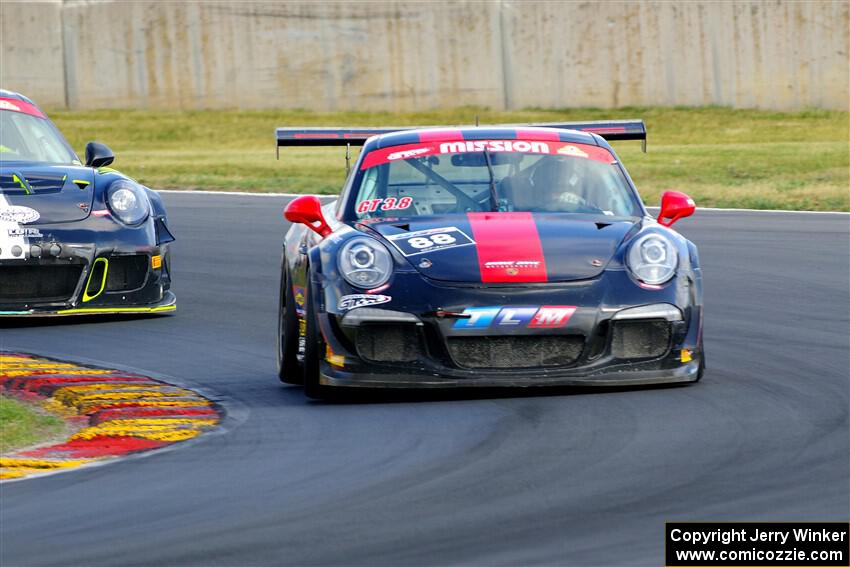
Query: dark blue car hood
[(507, 247), (59, 193)]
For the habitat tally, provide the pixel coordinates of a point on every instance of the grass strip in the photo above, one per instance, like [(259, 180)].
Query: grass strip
[(22, 424), (722, 157)]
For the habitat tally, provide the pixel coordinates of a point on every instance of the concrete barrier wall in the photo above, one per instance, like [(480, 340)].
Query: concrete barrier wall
[(31, 52), (408, 55), (779, 55)]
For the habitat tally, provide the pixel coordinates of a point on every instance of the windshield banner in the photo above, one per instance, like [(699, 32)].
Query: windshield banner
[(16, 105), (408, 151)]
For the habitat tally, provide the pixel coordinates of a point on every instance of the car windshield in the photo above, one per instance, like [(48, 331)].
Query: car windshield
[(31, 139), (491, 175)]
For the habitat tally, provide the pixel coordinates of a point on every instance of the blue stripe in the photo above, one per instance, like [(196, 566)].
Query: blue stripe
[(489, 134), (580, 138), (398, 138)]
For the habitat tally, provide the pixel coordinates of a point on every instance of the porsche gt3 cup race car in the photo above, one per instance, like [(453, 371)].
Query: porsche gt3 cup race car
[(74, 239), (486, 256)]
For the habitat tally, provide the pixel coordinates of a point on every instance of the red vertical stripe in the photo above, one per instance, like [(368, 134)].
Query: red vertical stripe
[(509, 248)]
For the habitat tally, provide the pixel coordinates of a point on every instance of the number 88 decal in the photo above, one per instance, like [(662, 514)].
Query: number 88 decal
[(428, 241), (389, 204)]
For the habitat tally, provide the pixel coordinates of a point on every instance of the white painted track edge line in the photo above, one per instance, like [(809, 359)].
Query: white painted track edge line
[(244, 193), (251, 194), (718, 209)]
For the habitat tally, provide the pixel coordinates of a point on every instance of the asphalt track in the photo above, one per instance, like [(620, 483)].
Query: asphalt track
[(567, 478)]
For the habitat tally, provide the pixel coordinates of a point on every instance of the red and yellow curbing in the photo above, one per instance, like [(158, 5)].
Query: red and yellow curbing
[(120, 412)]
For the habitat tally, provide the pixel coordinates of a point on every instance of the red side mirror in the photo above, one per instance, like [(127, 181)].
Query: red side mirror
[(307, 210), (674, 206)]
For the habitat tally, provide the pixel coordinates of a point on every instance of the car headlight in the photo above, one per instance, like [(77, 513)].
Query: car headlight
[(128, 201), (365, 262), (653, 259)]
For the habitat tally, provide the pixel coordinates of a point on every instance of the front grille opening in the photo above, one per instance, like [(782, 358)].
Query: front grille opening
[(38, 284), (389, 343), (532, 351), (127, 273), (640, 339)]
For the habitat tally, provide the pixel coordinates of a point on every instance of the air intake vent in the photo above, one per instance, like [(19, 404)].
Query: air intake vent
[(32, 184), (640, 339), (127, 273), (38, 284), (533, 351), (389, 343), (97, 279)]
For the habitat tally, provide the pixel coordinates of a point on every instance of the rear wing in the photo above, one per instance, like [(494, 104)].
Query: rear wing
[(612, 130)]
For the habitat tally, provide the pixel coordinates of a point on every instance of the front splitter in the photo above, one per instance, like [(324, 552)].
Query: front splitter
[(167, 305), (688, 372)]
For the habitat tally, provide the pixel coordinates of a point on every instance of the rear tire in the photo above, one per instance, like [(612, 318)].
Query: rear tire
[(314, 350), (288, 368), (701, 370)]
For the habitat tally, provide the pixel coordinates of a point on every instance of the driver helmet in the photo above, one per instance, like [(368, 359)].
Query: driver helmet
[(556, 182)]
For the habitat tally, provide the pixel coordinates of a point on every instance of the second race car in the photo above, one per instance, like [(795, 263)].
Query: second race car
[(75, 238)]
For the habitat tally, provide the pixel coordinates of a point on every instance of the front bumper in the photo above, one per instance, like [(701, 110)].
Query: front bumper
[(85, 279), (618, 334)]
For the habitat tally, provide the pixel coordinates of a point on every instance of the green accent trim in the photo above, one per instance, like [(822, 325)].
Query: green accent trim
[(117, 310), (82, 182), (105, 169), (86, 296), (64, 177), (22, 182), (92, 311)]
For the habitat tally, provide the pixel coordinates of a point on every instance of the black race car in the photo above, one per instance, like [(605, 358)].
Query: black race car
[(486, 256), (74, 239)]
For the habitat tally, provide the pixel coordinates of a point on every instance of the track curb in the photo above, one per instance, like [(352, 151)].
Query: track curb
[(121, 412)]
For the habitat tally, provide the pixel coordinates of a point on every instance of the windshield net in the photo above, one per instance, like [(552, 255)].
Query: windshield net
[(492, 175), (27, 138)]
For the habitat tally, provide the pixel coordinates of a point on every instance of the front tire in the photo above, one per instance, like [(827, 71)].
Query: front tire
[(314, 349), (288, 368)]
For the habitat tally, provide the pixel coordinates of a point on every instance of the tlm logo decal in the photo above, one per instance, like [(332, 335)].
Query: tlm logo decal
[(544, 317)]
